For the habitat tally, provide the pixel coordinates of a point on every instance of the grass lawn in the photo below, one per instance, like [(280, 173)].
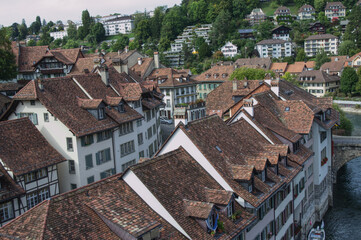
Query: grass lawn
[(269, 10)]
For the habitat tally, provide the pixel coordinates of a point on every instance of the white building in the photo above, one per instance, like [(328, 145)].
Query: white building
[(86, 119), (275, 48), (59, 35), (316, 43), (114, 26), (335, 10), (28, 167), (306, 12), (229, 50)]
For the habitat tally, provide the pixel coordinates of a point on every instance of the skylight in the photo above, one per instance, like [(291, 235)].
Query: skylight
[(219, 149), (287, 109)]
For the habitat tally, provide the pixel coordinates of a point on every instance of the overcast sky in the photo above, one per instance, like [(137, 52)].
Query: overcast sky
[(52, 10)]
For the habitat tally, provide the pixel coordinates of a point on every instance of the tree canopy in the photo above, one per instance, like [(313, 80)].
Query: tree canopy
[(7, 60), (250, 73), (349, 79)]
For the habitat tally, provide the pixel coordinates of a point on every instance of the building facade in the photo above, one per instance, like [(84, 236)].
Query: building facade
[(275, 48), (115, 26), (229, 50), (316, 43), (335, 10), (306, 12)]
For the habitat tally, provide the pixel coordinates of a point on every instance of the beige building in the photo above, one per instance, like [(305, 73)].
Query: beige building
[(316, 43), (318, 82), (306, 12), (335, 10)]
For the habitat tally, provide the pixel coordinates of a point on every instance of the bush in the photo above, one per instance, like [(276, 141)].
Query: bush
[(345, 123)]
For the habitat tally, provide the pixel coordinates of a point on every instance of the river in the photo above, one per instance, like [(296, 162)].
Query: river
[(343, 220)]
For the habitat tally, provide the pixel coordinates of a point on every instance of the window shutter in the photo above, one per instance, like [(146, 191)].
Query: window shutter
[(98, 158), (35, 118), (107, 154)]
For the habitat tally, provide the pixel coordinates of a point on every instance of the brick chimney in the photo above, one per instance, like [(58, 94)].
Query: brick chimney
[(120, 65), (140, 61), (234, 85), (248, 106), (97, 62), (156, 60)]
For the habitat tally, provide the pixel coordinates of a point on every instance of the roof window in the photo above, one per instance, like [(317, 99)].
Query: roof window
[(219, 149), (287, 109)]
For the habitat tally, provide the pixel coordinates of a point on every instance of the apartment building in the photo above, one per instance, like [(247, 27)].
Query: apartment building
[(335, 10), (274, 48), (316, 43), (120, 24), (319, 82), (28, 167), (59, 34), (306, 12), (177, 86), (100, 124)]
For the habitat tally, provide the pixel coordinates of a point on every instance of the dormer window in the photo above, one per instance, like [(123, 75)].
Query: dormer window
[(230, 208), (296, 146), (101, 113), (121, 107), (212, 221), (250, 188), (263, 175)]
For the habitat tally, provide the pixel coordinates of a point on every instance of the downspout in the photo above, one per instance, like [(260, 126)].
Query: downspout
[(115, 162)]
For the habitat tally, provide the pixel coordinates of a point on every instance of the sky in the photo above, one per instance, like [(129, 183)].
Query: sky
[(52, 10)]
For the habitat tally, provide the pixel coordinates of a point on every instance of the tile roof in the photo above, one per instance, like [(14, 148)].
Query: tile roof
[(305, 8), (179, 170), (282, 8), (318, 76), (141, 69), (226, 92), (279, 67), (331, 5), (271, 41), (107, 209), (169, 76), (9, 188), (242, 172), (24, 149), (60, 97), (296, 67), (335, 65), (264, 63), (83, 65), (218, 73), (10, 86), (320, 37)]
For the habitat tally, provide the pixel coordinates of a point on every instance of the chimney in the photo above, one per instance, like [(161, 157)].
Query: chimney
[(275, 87), (234, 82), (125, 67), (96, 62), (40, 85), (104, 74), (156, 60), (268, 78), (126, 49), (180, 115), (140, 61), (119, 52), (327, 70), (248, 106)]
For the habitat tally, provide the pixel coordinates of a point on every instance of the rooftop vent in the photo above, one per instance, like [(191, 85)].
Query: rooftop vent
[(289, 92)]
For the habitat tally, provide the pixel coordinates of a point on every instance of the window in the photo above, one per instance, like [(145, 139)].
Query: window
[(323, 136), (32, 116), (71, 166), (141, 154), (128, 164), (250, 188), (230, 208), (104, 135), (6, 211), (168, 103), (107, 173), (32, 176), (69, 144), (136, 104), (36, 197), (310, 170), (121, 107), (139, 122), (127, 148), (148, 116), (90, 179), (32, 102), (88, 161), (101, 113), (42, 173), (150, 149), (73, 186), (140, 139), (103, 156), (87, 140), (125, 128), (46, 117), (296, 146), (150, 134), (154, 129)]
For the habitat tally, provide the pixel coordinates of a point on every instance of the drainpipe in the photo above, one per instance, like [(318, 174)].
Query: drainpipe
[(115, 162)]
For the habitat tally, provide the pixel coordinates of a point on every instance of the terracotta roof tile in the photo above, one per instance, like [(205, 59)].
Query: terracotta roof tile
[(264, 63), (197, 209), (219, 197), (296, 67), (11, 86), (242, 172), (169, 76), (24, 149), (218, 73)]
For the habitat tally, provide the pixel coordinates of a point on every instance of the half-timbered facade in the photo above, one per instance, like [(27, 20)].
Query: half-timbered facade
[(28, 165)]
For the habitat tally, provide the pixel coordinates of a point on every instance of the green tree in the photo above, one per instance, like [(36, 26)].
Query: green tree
[(174, 22), (31, 43), (320, 5), (291, 78), (349, 80), (301, 55), (71, 44), (23, 30), (7, 59), (250, 74), (81, 33), (156, 22), (197, 11), (204, 51), (358, 84), (14, 31), (345, 123), (87, 22), (264, 30), (222, 27), (353, 29), (347, 47), (98, 31), (120, 44), (72, 32), (321, 58)]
